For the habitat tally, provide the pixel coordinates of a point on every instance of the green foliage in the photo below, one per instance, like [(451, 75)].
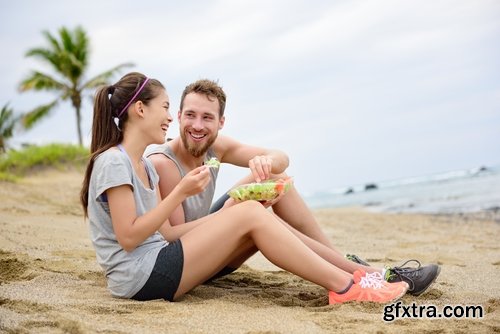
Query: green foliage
[(20, 162), (8, 121), (30, 119), (67, 54), (8, 177)]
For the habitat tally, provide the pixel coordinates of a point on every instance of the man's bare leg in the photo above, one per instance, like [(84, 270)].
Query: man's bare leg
[(293, 210)]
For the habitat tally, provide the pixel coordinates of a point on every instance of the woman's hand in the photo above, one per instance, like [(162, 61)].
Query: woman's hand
[(195, 181)]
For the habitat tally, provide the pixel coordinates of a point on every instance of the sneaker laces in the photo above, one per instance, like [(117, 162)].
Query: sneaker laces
[(373, 280), (406, 272)]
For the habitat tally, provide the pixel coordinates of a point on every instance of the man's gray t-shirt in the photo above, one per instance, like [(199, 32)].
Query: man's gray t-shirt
[(198, 205), (126, 272)]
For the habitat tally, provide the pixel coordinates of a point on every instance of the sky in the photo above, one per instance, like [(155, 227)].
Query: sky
[(353, 91)]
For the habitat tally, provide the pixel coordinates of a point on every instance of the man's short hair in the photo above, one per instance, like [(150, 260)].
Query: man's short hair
[(210, 89)]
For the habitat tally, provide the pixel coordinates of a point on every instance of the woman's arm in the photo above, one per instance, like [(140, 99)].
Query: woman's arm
[(173, 232), (131, 230), (169, 178)]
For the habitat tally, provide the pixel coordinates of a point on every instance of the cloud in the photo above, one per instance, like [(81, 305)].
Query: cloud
[(354, 91)]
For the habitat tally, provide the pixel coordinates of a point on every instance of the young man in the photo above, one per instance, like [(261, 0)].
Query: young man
[(200, 117)]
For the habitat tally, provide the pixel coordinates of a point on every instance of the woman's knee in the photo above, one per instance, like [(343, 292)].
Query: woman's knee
[(254, 205), (252, 211)]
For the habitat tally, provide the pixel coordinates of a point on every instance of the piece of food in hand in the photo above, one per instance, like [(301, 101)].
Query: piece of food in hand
[(261, 191), (213, 162)]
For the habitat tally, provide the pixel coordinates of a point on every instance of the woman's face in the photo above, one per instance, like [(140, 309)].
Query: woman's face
[(158, 118)]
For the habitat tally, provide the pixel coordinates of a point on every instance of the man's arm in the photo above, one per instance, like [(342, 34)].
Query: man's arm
[(261, 161), (169, 178)]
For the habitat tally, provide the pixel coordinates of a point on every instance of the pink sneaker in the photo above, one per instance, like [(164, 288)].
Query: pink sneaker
[(369, 288)]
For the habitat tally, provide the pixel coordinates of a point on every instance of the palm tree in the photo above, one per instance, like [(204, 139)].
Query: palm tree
[(68, 57), (7, 123)]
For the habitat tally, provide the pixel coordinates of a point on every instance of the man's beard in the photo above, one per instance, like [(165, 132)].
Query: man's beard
[(197, 150)]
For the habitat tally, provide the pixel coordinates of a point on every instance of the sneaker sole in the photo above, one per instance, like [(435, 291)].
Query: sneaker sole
[(398, 297), (371, 301), (428, 285), (389, 301)]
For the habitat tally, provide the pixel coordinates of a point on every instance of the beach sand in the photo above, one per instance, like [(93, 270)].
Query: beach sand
[(50, 281)]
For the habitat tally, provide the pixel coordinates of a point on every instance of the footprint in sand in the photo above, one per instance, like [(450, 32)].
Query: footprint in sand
[(12, 268)]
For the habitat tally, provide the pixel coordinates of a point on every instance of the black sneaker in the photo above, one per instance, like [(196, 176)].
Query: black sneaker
[(419, 278), (357, 259)]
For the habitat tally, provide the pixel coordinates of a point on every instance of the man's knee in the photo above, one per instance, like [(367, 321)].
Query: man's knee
[(279, 176), (219, 203)]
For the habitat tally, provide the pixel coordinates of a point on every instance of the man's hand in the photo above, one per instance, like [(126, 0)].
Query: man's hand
[(261, 167), (229, 203), (270, 203)]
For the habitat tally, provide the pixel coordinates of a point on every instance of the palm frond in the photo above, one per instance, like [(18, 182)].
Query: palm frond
[(68, 56), (104, 77), (40, 81), (81, 45), (7, 121), (51, 54), (31, 118), (54, 43), (47, 56)]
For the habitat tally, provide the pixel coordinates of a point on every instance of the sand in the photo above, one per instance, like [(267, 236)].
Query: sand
[(51, 283)]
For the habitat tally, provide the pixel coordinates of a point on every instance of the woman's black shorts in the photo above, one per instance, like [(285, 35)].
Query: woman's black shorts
[(166, 275)]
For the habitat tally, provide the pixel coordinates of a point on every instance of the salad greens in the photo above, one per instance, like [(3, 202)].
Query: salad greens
[(263, 191), (213, 162)]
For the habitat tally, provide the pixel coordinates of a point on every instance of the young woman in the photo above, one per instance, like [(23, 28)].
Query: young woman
[(143, 256)]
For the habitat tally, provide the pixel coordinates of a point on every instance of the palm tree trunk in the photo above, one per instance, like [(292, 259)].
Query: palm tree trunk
[(79, 125), (77, 103), (2, 146)]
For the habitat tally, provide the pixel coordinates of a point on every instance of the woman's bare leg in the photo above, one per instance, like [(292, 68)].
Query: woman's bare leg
[(210, 246), (242, 254), (294, 211)]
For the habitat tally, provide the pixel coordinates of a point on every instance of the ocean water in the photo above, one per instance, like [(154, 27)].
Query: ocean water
[(463, 191)]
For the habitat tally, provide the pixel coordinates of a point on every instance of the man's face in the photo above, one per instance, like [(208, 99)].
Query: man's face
[(199, 123)]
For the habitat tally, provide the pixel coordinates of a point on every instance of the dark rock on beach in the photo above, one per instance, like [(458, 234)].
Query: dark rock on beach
[(349, 191), (371, 186)]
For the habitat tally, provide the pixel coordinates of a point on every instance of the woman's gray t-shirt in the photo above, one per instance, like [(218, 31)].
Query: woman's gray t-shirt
[(126, 272)]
